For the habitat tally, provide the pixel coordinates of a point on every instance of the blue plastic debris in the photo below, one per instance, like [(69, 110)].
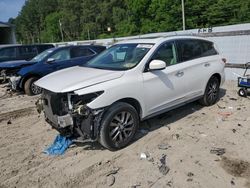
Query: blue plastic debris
[(59, 146)]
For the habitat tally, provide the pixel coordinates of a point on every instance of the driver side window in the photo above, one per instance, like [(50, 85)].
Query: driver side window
[(166, 53), (62, 55)]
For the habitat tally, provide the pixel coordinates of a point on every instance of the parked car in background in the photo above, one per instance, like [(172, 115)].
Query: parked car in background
[(21, 52), (50, 60), (105, 99)]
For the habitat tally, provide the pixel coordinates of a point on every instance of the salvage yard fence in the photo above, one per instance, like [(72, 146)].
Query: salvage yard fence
[(233, 42)]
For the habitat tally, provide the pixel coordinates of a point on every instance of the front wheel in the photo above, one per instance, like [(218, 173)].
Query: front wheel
[(30, 88), (211, 94), (118, 126)]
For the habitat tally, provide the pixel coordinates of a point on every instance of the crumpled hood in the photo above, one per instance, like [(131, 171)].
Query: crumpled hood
[(15, 64), (75, 78)]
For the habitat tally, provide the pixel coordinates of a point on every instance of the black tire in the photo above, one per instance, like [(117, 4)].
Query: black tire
[(242, 92), (211, 94), (110, 136), (29, 87)]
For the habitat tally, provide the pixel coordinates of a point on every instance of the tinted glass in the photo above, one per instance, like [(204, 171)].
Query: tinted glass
[(41, 48), (166, 53), (27, 50), (120, 56), (191, 49), (208, 48), (8, 52), (81, 52), (61, 55)]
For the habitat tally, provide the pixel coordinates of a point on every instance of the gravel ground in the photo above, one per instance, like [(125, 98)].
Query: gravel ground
[(192, 146)]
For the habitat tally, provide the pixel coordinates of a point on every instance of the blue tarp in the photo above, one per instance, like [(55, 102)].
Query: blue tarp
[(59, 146)]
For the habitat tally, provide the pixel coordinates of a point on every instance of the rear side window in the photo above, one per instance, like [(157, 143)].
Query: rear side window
[(27, 50), (8, 52), (41, 48), (191, 49), (81, 52)]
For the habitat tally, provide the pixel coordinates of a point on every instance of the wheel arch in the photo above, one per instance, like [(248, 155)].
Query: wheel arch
[(26, 77), (133, 102), (218, 76)]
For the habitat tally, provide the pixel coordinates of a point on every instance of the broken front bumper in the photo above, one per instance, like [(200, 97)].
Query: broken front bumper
[(82, 122), (14, 82)]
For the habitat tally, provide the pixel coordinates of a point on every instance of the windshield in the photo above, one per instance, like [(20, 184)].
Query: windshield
[(120, 57), (42, 55)]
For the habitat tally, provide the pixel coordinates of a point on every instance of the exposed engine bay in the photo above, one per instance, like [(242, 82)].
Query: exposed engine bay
[(70, 115)]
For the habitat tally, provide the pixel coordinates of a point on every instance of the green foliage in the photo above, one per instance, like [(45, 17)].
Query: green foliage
[(39, 20)]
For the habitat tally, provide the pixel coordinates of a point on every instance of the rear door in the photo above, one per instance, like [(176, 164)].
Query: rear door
[(195, 57)]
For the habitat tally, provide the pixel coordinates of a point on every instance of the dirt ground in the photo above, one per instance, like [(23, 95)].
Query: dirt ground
[(192, 146)]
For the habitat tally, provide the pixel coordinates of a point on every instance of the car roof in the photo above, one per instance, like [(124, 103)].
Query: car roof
[(160, 39), (17, 45), (71, 46)]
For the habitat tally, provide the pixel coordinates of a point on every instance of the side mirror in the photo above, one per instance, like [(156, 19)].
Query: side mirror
[(157, 65), (50, 60)]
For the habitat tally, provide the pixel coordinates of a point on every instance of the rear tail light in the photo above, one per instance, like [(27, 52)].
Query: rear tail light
[(224, 60)]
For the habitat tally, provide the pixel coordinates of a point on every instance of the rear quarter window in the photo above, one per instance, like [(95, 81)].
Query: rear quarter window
[(81, 52), (189, 49), (8, 52)]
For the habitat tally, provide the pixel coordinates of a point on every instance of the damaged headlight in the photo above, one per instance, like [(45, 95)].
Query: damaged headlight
[(14, 81), (79, 103)]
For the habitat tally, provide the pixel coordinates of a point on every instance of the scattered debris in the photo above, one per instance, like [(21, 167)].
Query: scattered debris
[(59, 146), (110, 180), (114, 171), (163, 168), (233, 99), (225, 115), (218, 151), (144, 155), (176, 136), (169, 183), (164, 146), (232, 181), (221, 107), (136, 185)]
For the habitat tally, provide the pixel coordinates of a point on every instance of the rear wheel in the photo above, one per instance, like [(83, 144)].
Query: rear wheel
[(30, 88), (242, 92), (211, 94), (119, 125)]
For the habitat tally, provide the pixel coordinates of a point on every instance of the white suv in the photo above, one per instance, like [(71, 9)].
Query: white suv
[(105, 99)]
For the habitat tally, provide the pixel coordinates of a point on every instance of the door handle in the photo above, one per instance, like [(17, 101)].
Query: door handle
[(179, 74), (207, 64)]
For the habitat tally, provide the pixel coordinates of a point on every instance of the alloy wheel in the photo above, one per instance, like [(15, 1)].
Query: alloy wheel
[(121, 127)]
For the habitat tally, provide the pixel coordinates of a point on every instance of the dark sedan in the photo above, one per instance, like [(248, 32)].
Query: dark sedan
[(24, 74)]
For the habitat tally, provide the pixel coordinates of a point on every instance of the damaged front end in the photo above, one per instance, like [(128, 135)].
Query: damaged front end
[(69, 114)]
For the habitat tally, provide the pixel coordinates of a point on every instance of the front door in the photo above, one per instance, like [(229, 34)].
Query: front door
[(164, 88)]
